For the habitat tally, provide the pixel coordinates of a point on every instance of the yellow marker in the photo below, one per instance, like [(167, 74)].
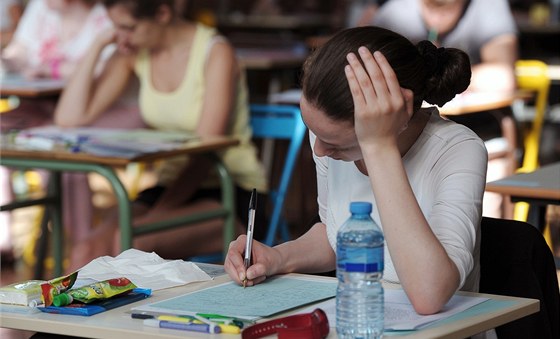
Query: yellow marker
[(229, 329), (175, 319)]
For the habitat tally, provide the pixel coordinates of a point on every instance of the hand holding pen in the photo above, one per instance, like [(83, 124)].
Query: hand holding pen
[(250, 229)]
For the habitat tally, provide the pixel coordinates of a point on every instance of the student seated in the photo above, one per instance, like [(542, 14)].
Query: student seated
[(189, 81), (372, 141)]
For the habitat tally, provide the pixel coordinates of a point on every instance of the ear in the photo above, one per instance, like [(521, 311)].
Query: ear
[(164, 14)]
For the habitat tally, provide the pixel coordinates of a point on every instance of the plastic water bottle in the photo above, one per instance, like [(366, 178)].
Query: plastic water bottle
[(359, 255)]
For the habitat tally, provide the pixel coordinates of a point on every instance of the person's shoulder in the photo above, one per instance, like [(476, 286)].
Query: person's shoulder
[(451, 132)]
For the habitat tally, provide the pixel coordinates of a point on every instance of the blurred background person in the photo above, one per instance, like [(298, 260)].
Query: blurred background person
[(361, 12), (487, 32), (10, 14), (189, 81), (51, 39)]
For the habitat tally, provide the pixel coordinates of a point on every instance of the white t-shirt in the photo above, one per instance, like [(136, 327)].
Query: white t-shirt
[(40, 31), (446, 168)]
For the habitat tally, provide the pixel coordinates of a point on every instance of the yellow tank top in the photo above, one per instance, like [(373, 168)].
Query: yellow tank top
[(181, 110)]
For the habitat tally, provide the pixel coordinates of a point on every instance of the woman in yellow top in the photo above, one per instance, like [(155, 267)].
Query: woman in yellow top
[(189, 81)]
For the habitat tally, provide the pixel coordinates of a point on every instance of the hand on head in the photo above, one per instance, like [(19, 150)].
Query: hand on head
[(382, 108), (264, 259)]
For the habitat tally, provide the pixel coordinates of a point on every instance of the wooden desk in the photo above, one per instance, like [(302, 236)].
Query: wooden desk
[(270, 58), (117, 323), (541, 186), (538, 188), (13, 84), (478, 102), (64, 161)]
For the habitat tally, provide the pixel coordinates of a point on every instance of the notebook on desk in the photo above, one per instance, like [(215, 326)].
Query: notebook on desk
[(275, 295), (109, 142)]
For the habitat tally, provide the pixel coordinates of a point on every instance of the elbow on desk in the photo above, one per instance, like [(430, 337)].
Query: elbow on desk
[(424, 305), (68, 123), (431, 298)]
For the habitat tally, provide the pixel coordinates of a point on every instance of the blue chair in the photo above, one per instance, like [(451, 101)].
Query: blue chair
[(279, 122), (275, 122)]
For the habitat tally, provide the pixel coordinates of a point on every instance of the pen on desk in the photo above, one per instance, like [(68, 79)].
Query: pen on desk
[(250, 227), (229, 329), (226, 319), (182, 326)]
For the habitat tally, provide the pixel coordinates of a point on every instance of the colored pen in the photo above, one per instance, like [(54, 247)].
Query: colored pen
[(182, 326), (230, 329), (250, 227), (224, 328), (224, 318)]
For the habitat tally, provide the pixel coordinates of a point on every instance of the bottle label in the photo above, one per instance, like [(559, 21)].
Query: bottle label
[(368, 260)]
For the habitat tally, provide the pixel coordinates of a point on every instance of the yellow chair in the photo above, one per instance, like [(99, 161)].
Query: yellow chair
[(532, 75)]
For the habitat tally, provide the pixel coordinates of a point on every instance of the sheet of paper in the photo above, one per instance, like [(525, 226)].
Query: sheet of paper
[(275, 295), (399, 313), (146, 270), (126, 143)]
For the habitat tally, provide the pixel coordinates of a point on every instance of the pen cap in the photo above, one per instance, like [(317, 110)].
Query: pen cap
[(62, 299), (253, 200)]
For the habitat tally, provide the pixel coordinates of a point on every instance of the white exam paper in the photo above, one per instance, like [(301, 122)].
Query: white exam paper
[(399, 313), (145, 270)]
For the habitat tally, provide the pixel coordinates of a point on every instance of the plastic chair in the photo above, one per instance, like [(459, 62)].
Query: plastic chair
[(273, 122), (532, 75), (516, 261), (279, 122)]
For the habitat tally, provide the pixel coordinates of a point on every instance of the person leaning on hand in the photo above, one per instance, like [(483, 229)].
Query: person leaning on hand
[(372, 141), (190, 81)]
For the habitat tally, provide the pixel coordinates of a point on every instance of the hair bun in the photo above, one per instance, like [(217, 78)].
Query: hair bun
[(435, 58), (448, 72)]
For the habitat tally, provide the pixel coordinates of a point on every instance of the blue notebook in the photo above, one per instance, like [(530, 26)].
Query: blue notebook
[(99, 306)]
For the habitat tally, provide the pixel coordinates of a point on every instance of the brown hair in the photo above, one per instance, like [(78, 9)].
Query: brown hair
[(142, 9), (433, 74)]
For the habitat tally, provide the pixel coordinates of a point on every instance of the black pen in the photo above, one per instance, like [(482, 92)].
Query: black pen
[(250, 227)]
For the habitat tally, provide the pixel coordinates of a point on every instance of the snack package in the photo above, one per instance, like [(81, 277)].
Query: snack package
[(95, 291), (55, 286)]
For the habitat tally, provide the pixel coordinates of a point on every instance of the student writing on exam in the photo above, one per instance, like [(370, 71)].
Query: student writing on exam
[(371, 141), (487, 32), (189, 81)]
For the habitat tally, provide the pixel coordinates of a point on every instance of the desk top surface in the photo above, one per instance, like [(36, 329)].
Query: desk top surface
[(270, 58), (543, 183), (473, 102), (14, 84), (117, 323), (200, 145)]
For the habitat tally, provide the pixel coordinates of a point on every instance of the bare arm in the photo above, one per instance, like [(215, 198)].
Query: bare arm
[(382, 108), (222, 74), (84, 97), (496, 72), (309, 253)]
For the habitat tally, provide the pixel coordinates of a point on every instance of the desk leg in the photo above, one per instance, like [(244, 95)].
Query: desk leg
[(55, 214), (125, 215), (228, 202)]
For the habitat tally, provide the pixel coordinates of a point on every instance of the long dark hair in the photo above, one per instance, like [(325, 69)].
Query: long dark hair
[(141, 9), (433, 74)]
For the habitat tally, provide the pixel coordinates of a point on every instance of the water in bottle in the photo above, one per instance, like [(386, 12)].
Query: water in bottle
[(359, 255)]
